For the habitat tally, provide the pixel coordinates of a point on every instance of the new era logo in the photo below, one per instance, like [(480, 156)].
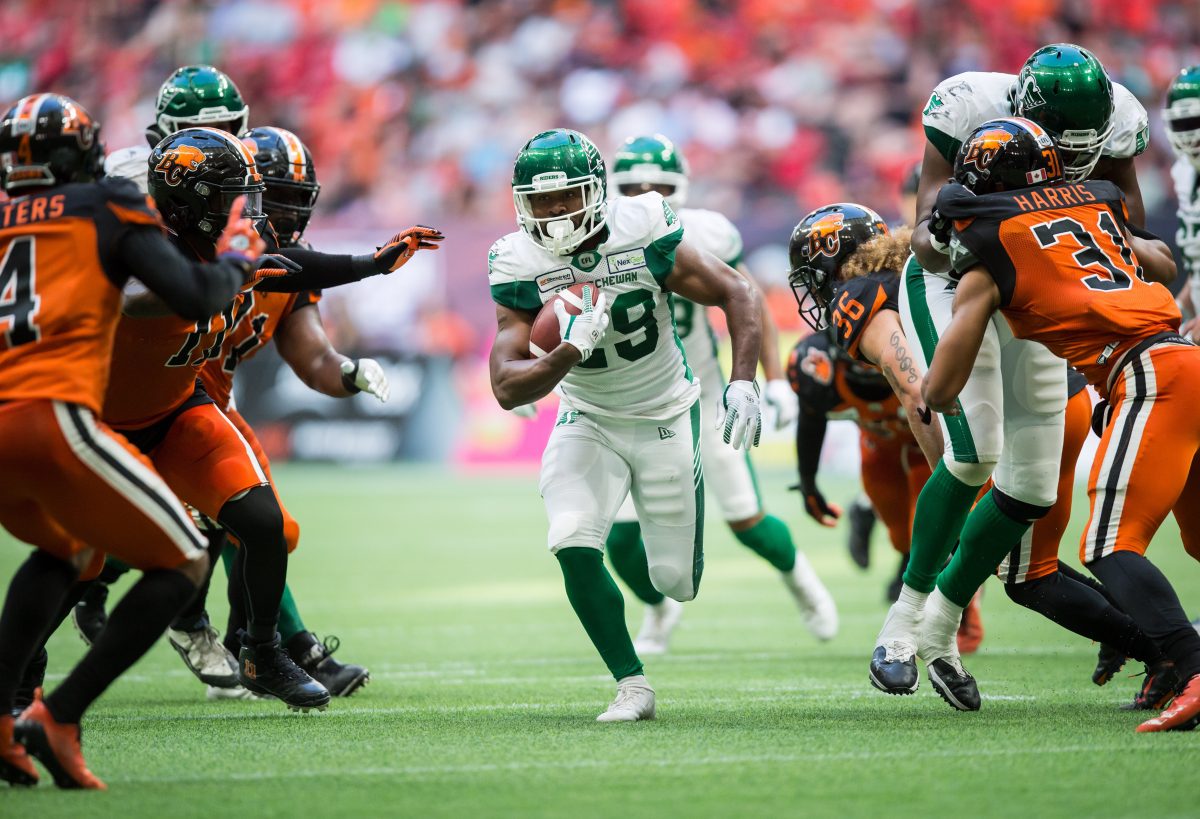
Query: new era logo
[(664, 433)]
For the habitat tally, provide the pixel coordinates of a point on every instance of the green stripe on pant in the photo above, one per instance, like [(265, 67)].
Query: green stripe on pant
[(698, 478)]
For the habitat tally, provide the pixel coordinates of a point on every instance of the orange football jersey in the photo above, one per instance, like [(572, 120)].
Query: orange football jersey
[(261, 316), (1067, 277), (60, 288)]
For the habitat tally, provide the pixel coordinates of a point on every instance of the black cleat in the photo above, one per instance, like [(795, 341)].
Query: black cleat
[(895, 675), (1108, 662), (35, 673), (1161, 684), (858, 539), (954, 684), (88, 615), (316, 658), (267, 670)]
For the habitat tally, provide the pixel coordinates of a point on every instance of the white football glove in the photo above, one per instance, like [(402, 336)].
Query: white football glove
[(739, 417), (584, 331), (525, 411), (365, 375), (782, 402)]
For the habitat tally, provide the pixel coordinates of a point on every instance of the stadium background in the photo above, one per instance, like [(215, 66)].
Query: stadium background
[(414, 113)]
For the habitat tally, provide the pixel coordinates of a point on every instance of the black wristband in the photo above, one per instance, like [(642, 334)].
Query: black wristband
[(348, 380)]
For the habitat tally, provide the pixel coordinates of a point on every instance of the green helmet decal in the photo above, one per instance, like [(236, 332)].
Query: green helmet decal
[(1066, 90), (644, 161), (1182, 114), (564, 161), (194, 96)]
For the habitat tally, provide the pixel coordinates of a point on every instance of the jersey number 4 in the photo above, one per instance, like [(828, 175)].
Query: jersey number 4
[(1107, 251), (18, 301)]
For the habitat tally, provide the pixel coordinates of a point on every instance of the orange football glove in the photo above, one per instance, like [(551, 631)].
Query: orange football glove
[(240, 242), (403, 246)]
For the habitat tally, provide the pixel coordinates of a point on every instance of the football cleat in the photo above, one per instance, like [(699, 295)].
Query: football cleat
[(970, 630), (267, 670), (16, 768), (316, 658), (657, 624), (88, 615), (816, 604), (634, 701), (213, 694), (1184, 713), (205, 656), (35, 673), (937, 645), (56, 745), (858, 538), (894, 660), (1160, 685), (1109, 661)]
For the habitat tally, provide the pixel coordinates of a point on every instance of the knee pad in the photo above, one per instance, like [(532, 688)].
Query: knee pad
[(972, 474), (255, 517), (1018, 510), (673, 581), (569, 529)]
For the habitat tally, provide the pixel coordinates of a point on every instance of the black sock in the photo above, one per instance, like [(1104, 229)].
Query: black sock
[(1146, 594), (1080, 577), (133, 627), (256, 520), (34, 595), (112, 572), (1078, 607), (235, 566), (194, 616)]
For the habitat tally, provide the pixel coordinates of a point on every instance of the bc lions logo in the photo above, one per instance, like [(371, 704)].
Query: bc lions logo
[(179, 162), (824, 237), (818, 366), (983, 149)]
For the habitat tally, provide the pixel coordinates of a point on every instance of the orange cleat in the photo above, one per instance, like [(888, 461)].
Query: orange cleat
[(970, 630), (15, 765), (55, 745), (1183, 713)]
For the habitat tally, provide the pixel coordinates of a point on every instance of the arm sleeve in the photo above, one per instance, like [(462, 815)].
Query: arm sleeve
[(191, 289), (810, 437), (320, 271)]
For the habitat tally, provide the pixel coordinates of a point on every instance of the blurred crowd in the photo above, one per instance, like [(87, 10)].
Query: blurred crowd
[(414, 111)]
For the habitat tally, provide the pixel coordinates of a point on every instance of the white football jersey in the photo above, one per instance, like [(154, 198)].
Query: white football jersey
[(965, 101), (710, 231), (1187, 236), (639, 369)]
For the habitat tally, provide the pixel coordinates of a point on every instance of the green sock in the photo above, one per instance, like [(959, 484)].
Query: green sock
[(987, 536), (290, 623), (600, 608), (771, 540), (627, 553), (942, 508)]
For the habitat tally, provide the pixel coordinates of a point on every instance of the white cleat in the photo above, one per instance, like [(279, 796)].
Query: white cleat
[(205, 656), (236, 693), (814, 600), (634, 701), (660, 620)]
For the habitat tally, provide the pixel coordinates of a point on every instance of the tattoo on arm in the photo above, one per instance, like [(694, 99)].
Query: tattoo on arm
[(902, 355)]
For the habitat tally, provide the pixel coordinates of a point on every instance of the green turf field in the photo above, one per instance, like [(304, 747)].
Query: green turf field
[(485, 688)]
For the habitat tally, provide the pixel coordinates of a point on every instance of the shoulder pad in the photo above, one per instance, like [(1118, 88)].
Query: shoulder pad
[(961, 103), (511, 280), (127, 202), (855, 302), (810, 370), (714, 233), (1131, 125)]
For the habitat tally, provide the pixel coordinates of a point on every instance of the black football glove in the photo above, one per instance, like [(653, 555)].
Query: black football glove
[(939, 231), (404, 245), (818, 509)]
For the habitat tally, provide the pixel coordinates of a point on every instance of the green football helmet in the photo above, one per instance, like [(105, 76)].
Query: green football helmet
[(1066, 90), (197, 96), (560, 160), (1182, 114), (651, 160)]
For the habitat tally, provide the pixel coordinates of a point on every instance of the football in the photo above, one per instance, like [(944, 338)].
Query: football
[(543, 337)]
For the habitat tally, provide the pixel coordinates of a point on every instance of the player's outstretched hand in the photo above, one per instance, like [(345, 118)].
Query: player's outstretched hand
[(826, 514), (404, 245), (739, 418), (782, 403), (584, 331), (239, 242), (365, 375)]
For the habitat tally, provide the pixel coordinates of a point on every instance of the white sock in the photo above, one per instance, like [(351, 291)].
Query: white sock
[(634, 679), (912, 598)]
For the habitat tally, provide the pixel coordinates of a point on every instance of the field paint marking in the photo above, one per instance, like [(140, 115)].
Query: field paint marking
[(416, 771)]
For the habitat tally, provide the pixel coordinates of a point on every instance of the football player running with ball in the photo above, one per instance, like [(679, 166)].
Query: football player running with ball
[(629, 419), (1059, 262), (653, 163), (1012, 412)]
